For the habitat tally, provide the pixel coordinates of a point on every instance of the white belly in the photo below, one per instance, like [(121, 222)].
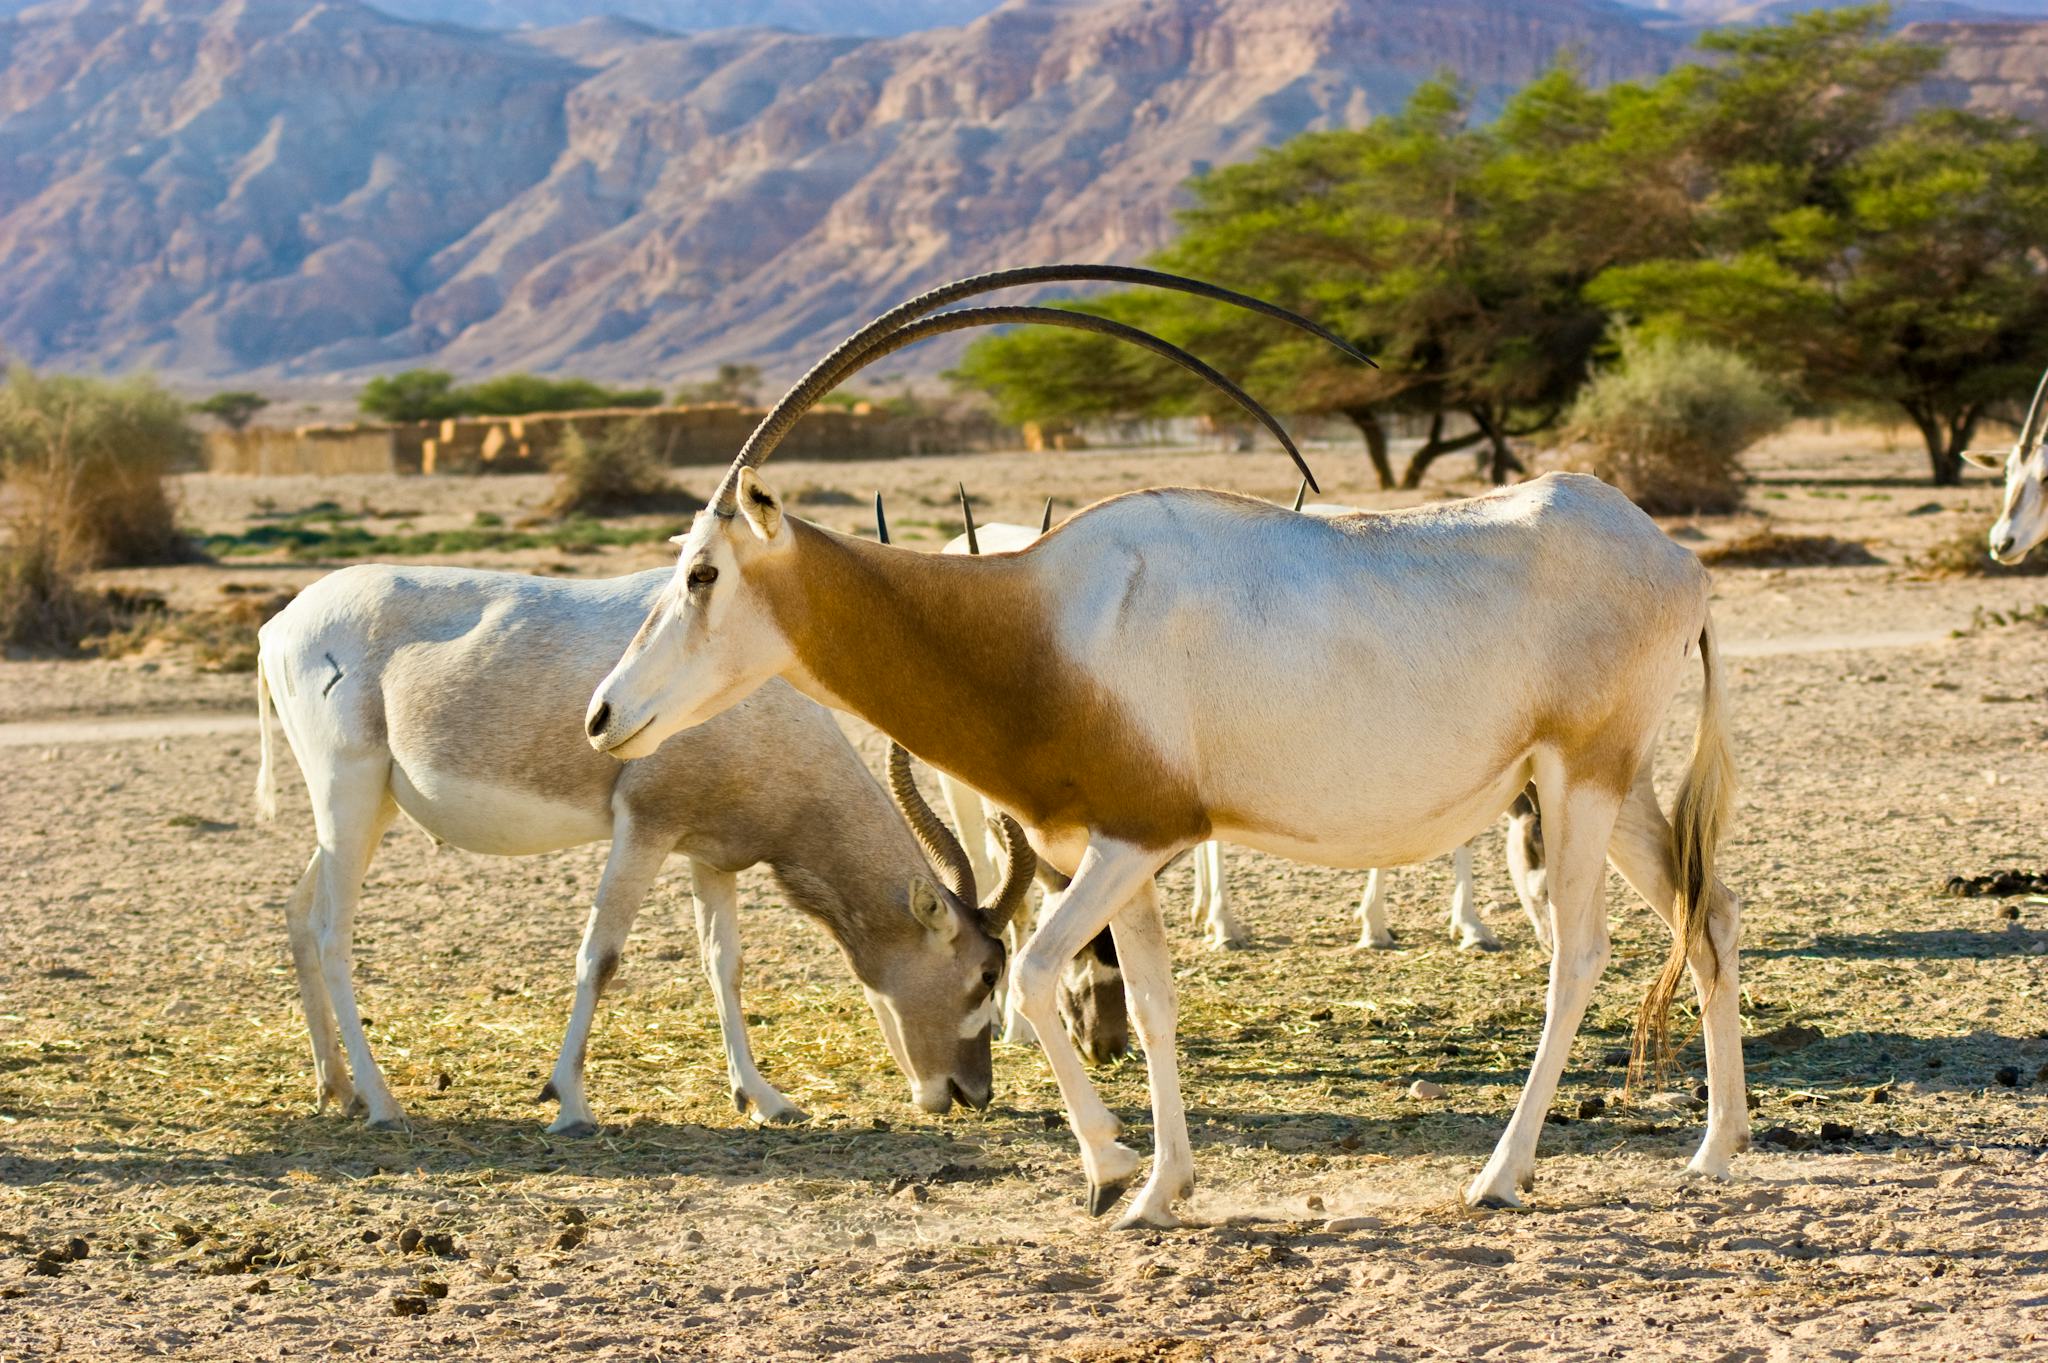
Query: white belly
[(495, 820)]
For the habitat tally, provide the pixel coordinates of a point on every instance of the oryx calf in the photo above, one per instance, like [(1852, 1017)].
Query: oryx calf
[(451, 695)]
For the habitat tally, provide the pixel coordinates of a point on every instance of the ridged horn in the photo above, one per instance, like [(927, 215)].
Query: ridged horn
[(948, 857), (846, 357), (1300, 495), (881, 521), (967, 514), (1045, 520), (2030, 433), (1020, 865)]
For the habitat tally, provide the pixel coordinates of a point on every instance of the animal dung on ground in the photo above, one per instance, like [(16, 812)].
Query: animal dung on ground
[(1996, 884)]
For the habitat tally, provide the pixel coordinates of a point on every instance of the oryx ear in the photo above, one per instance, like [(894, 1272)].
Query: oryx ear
[(760, 505), (1986, 459), (928, 907)]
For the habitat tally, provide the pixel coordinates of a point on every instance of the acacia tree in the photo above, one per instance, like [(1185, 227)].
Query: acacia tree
[(1861, 257), (1419, 236)]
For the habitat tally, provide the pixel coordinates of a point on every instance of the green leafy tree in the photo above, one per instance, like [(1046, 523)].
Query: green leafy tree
[(518, 394), (233, 409), (1863, 258), (413, 395), (738, 383)]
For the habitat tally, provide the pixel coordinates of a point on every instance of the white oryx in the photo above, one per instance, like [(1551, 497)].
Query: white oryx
[(450, 694), (1210, 907), (1175, 665), (2023, 515)]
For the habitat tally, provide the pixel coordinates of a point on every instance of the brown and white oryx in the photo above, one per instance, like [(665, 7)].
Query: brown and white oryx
[(2023, 514), (450, 694), (1178, 664)]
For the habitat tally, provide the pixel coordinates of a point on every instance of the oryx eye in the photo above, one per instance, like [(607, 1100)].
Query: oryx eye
[(703, 575), (988, 980)]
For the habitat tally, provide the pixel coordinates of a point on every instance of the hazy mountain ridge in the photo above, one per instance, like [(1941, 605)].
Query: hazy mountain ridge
[(308, 188)]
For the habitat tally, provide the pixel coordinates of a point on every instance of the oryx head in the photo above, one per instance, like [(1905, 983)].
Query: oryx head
[(2023, 520), (711, 638), (933, 976)]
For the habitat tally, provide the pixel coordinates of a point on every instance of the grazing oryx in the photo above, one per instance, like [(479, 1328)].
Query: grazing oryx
[(2023, 516), (450, 694), (1175, 665), (1091, 988)]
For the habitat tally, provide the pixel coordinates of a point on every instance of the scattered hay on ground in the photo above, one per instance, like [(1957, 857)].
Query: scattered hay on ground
[(219, 639), (1769, 548), (1964, 554)]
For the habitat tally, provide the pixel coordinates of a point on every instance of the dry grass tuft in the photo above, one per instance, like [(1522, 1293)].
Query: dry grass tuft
[(614, 473), (1769, 548), (1963, 554), (220, 639)]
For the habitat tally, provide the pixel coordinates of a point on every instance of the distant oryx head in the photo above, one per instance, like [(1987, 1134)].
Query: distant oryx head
[(2023, 521), (713, 635), (935, 991)]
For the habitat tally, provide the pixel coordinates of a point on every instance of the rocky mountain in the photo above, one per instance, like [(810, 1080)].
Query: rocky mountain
[(314, 188)]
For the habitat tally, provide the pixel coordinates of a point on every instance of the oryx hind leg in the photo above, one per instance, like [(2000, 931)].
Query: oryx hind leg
[(1578, 823), (1221, 930), (716, 895), (1147, 965), (330, 1070), (629, 872), (1110, 874), (1525, 863), (352, 807), (1641, 851), (1374, 932)]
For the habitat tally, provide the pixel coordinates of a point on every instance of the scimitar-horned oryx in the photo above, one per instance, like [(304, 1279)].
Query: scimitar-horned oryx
[(1175, 665), (2023, 514), (452, 694)]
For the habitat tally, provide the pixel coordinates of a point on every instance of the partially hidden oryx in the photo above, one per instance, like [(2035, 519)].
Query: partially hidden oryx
[(2023, 514), (451, 695), (1210, 907), (1175, 665)]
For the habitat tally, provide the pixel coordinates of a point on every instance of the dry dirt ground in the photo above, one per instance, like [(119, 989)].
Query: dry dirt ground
[(155, 1085)]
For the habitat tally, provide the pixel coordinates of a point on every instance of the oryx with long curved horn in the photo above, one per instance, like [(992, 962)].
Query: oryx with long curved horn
[(2023, 515), (1181, 664)]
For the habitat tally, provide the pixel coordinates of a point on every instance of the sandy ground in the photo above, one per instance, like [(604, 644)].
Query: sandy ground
[(155, 1089)]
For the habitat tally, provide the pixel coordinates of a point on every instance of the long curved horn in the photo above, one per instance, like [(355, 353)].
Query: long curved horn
[(2030, 434), (1045, 521), (945, 851), (967, 514), (1020, 864), (963, 318), (881, 521), (1301, 495), (844, 358)]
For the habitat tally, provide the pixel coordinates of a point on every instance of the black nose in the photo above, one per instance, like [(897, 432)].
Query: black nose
[(2004, 546), (979, 1102), (599, 717)]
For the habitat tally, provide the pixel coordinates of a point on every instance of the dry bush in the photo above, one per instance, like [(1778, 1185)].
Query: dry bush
[(1668, 424), (613, 473), (1768, 548), (83, 463), (1964, 554)]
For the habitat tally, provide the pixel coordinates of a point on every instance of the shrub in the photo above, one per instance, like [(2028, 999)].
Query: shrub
[(1965, 554), (432, 394), (234, 408), (608, 474), (1669, 423)]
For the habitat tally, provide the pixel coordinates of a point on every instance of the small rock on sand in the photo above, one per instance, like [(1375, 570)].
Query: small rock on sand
[(1425, 1090)]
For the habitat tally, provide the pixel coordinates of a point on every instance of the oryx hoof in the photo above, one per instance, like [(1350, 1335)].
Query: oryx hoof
[(781, 1113), (1103, 1196), (577, 1129), (1479, 944), (394, 1122)]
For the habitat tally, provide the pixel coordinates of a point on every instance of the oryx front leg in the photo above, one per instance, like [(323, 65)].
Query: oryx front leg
[(628, 873), (1642, 853), (1110, 873), (718, 938), (1577, 825), (1467, 926), (1142, 951)]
